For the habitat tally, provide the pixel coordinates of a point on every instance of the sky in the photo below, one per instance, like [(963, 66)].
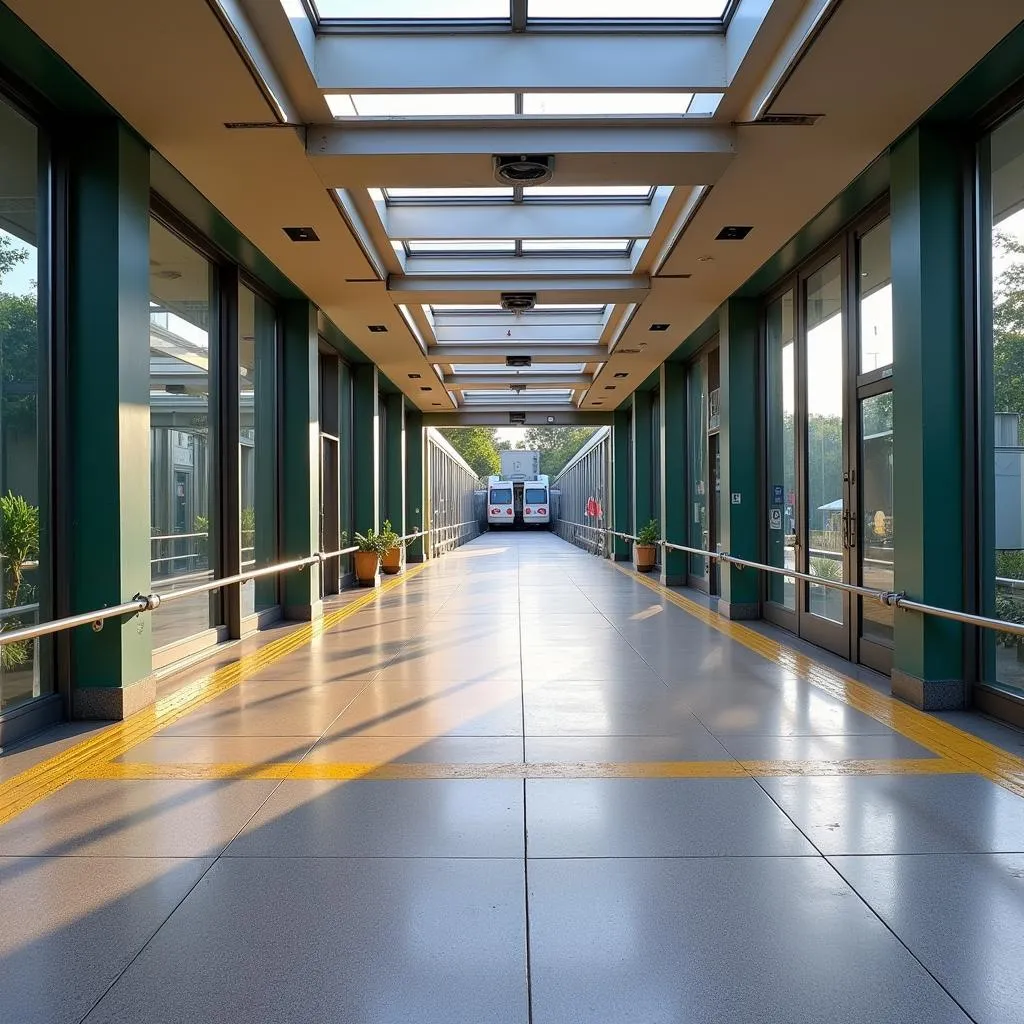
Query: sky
[(502, 8), (20, 280)]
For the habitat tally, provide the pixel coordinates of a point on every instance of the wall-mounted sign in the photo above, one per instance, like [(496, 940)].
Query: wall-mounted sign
[(775, 519), (736, 497), (777, 494)]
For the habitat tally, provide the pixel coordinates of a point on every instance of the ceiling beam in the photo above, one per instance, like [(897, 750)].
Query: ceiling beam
[(405, 153), (527, 62), (536, 353), (555, 289), (496, 381), (469, 416)]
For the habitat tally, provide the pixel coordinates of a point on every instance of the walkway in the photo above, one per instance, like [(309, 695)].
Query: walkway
[(520, 786)]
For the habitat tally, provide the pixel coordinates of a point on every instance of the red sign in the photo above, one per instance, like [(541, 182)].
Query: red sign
[(593, 509)]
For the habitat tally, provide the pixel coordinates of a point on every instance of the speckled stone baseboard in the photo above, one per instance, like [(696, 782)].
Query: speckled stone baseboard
[(112, 703), (738, 611), (929, 694)]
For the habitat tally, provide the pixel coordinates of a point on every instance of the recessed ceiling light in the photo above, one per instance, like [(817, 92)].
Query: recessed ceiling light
[(414, 376), (733, 233), (435, 403), (377, 329), (551, 419), (621, 375), (302, 234), (597, 401), (658, 327)]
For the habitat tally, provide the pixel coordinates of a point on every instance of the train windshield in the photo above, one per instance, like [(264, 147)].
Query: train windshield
[(501, 495), (536, 495)]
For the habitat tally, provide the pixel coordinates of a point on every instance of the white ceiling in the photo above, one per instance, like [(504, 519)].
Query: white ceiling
[(182, 73)]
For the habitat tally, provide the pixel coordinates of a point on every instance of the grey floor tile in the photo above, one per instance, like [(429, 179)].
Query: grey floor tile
[(657, 818), (351, 942), (893, 814), (708, 941), (152, 818), (691, 744), (837, 747), (241, 750), (588, 709), (70, 926), (376, 818), (418, 750), (961, 915)]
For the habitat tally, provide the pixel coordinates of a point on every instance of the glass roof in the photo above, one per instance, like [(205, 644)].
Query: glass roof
[(538, 10), (504, 371), (496, 309), (384, 10), (606, 104), (616, 9), (518, 247), (534, 104)]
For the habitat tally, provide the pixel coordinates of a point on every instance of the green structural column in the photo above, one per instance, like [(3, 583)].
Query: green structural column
[(643, 461), (622, 506), (108, 415), (366, 455), (300, 469), (740, 527), (928, 428), (414, 518), (394, 463), (672, 396)]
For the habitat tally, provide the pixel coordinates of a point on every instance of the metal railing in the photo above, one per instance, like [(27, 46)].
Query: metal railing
[(894, 599), (150, 602)]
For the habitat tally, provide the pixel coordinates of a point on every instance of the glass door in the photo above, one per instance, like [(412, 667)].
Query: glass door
[(826, 508)]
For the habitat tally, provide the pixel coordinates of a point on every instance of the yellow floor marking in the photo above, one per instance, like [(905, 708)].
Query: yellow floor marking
[(345, 771), (974, 755), (22, 791)]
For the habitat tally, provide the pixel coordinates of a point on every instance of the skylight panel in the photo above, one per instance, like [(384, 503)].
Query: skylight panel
[(590, 246), (464, 308), (430, 194), (606, 104), (413, 10), (505, 372), (421, 104), (589, 192), (589, 10), (455, 246)]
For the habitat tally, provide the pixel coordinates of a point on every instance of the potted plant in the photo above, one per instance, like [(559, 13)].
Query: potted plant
[(645, 549), (19, 544), (391, 547), (367, 557)]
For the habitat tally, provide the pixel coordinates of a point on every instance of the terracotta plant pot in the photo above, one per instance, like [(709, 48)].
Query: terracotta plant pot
[(644, 557), (366, 567), (391, 563)]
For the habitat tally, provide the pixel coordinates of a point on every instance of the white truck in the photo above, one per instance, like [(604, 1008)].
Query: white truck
[(520, 496)]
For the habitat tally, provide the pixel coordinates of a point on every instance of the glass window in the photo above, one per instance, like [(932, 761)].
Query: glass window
[(825, 494), (461, 246), (877, 536), (24, 486), (183, 526), (501, 496), (606, 104), (781, 369), (257, 446), (1006, 520), (412, 9), (875, 291), (590, 246), (587, 9), (421, 104), (697, 433), (536, 495)]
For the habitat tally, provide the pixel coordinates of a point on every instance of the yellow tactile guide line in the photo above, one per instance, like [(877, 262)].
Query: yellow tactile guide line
[(957, 751)]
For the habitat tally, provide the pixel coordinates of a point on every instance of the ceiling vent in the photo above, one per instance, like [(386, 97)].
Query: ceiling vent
[(733, 233), (518, 361), (517, 388), (517, 302), (302, 234), (628, 351), (794, 120), (517, 417), (524, 170)]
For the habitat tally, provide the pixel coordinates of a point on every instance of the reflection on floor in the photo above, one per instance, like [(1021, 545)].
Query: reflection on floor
[(520, 787)]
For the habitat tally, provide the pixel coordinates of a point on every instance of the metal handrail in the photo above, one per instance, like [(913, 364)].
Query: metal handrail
[(893, 599), (150, 602)]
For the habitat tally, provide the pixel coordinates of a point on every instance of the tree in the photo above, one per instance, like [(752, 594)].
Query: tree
[(479, 446), (19, 346), (557, 445), (1008, 330)]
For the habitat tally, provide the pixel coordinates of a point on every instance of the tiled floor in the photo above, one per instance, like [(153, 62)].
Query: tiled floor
[(510, 790)]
